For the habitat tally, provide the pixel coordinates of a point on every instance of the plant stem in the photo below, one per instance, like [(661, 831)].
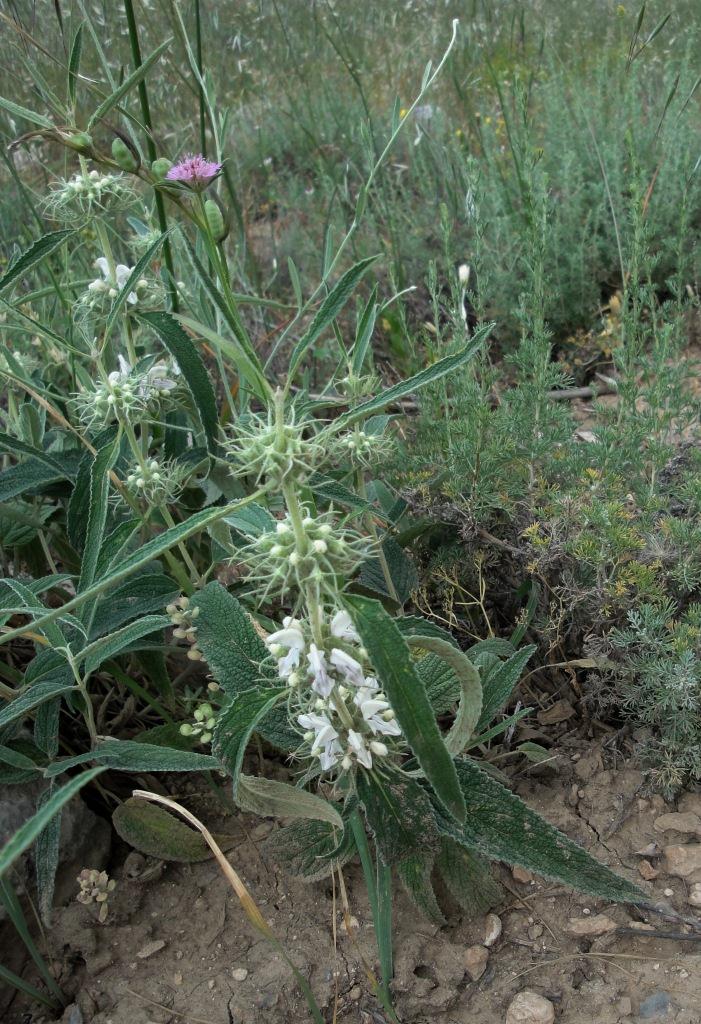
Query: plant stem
[(152, 151)]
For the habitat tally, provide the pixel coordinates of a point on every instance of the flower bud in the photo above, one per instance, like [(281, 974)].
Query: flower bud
[(124, 155), (160, 167), (79, 141), (215, 220)]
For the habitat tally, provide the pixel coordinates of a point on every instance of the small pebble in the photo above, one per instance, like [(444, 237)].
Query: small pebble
[(177, 978), (492, 929), (669, 892), (530, 1008), (521, 875), (150, 948), (239, 974), (646, 871), (695, 895), (476, 958)]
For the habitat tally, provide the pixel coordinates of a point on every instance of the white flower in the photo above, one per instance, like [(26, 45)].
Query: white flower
[(159, 376), (342, 627), (325, 742), (372, 708), (291, 638), (350, 669), (122, 274), (121, 375), (322, 683), (357, 746)]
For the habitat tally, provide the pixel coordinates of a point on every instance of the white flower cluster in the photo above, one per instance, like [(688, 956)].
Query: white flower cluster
[(88, 193), (345, 714), (128, 392)]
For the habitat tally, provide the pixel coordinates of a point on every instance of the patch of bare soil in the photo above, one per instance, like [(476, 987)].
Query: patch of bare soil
[(177, 949)]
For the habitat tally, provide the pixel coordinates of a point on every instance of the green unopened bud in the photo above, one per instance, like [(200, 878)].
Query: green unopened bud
[(186, 730), (215, 220), (124, 156), (160, 167), (79, 141)]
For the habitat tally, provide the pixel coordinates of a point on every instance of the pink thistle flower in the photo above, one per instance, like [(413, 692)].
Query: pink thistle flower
[(194, 171)]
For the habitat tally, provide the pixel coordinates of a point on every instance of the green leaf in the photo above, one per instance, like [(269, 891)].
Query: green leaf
[(246, 361), (416, 626), (130, 756), (402, 571), (74, 62), (192, 368), (46, 855), (147, 553), (131, 282), (27, 476), (468, 878), (363, 334), (470, 688), (399, 814), (129, 82), (251, 521), (419, 380), (278, 800), (310, 850), (501, 826), (13, 444), (18, 760), (97, 515), (498, 685), (233, 650), (236, 723), (32, 698), (329, 310), (122, 639), (156, 832), (336, 493), (415, 875), (27, 833), (392, 661), (15, 110), (147, 593), (38, 251)]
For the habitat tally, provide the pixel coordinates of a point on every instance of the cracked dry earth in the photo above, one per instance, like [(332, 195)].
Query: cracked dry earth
[(177, 949)]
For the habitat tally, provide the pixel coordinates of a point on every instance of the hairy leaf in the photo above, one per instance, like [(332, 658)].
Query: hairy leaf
[(156, 832), (402, 571), (329, 310), (470, 689), (398, 811), (391, 659), (38, 251), (192, 368), (501, 826), (278, 800), (427, 376), (235, 653), (415, 875), (468, 878), (498, 685), (311, 850)]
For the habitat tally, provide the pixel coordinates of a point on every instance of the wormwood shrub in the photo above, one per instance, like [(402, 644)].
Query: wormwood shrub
[(130, 481), (597, 521)]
